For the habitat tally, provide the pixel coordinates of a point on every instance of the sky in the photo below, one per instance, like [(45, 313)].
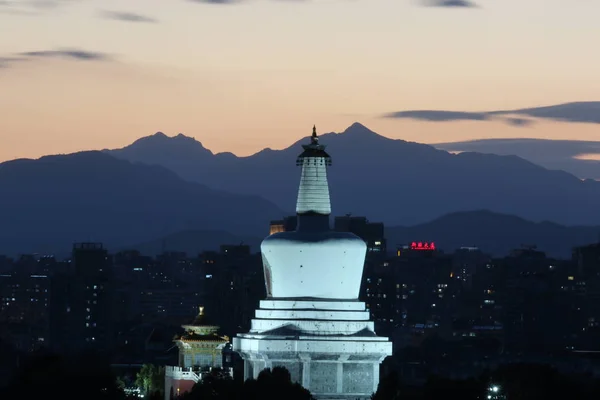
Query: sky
[(244, 75)]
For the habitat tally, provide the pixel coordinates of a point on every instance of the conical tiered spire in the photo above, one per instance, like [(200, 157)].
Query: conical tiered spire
[(313, 193)]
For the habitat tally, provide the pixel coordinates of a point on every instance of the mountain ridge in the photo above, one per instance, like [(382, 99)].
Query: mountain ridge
[(397, 181), (551, 154), (54, 201), (494, 233)]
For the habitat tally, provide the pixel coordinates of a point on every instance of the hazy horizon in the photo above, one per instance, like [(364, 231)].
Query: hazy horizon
[(79, 75)]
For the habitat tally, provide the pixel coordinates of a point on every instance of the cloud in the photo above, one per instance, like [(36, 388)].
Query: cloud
[(582, 112), (66, 53), (30, 7), (438, 115), (518, 121), (14, 7), (127, 16), (215, 1), (40, 4), (451, 4), (45, 4), (238, 1), (69, 54), (4, 61)]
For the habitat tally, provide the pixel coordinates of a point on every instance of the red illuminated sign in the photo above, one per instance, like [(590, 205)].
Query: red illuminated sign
[(422, 246)]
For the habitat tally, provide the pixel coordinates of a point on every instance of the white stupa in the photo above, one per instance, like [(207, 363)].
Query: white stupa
[(312, 322)]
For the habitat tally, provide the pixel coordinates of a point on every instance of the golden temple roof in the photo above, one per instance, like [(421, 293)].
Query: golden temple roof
[(201, 330)]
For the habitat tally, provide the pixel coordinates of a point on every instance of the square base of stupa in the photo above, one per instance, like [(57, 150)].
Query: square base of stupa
[(328, 346)]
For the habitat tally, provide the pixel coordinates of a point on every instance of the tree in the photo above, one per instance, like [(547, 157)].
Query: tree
[(275, 384), (215, 385), (438, 388), (388, 388), (150, 380)]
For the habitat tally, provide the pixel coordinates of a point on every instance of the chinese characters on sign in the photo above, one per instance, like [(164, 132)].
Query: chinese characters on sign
[(422, 246)]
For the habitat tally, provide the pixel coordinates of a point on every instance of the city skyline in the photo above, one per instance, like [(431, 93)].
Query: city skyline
[(241, 77)]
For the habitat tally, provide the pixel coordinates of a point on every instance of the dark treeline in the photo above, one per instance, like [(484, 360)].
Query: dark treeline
[(45, 375), (89, 376), (513, 381), (273, 384)]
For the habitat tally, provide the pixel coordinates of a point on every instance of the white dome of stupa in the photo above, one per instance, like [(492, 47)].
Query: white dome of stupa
[(313, 261)]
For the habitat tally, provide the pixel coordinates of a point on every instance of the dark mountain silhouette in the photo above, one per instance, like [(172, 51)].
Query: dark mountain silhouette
[(163, 149), (394, 181), (551, 154), (495, 233), (48, 204), (193, 242)]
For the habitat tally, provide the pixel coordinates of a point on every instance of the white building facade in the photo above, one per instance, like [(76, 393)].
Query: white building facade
[(312, 322)]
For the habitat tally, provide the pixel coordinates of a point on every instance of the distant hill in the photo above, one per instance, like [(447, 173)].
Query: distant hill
[(551, 154), (195, 242), (394, 181), (48, 204), (494, 233)]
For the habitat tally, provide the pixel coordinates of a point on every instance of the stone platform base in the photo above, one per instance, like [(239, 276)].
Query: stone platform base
[(329, 347)]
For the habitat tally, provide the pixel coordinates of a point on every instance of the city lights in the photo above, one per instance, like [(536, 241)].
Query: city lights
[(495, 392)]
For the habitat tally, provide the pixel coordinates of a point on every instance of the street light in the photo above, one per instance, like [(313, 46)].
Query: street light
[(495, 393)]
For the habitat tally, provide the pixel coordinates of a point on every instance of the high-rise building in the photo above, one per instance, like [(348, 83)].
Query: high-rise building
[(312, 322), (465, 263), (409, 293), (587, 260), (24, 313), (233, 282), (371, 232), (287, 224), (82, 301)]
